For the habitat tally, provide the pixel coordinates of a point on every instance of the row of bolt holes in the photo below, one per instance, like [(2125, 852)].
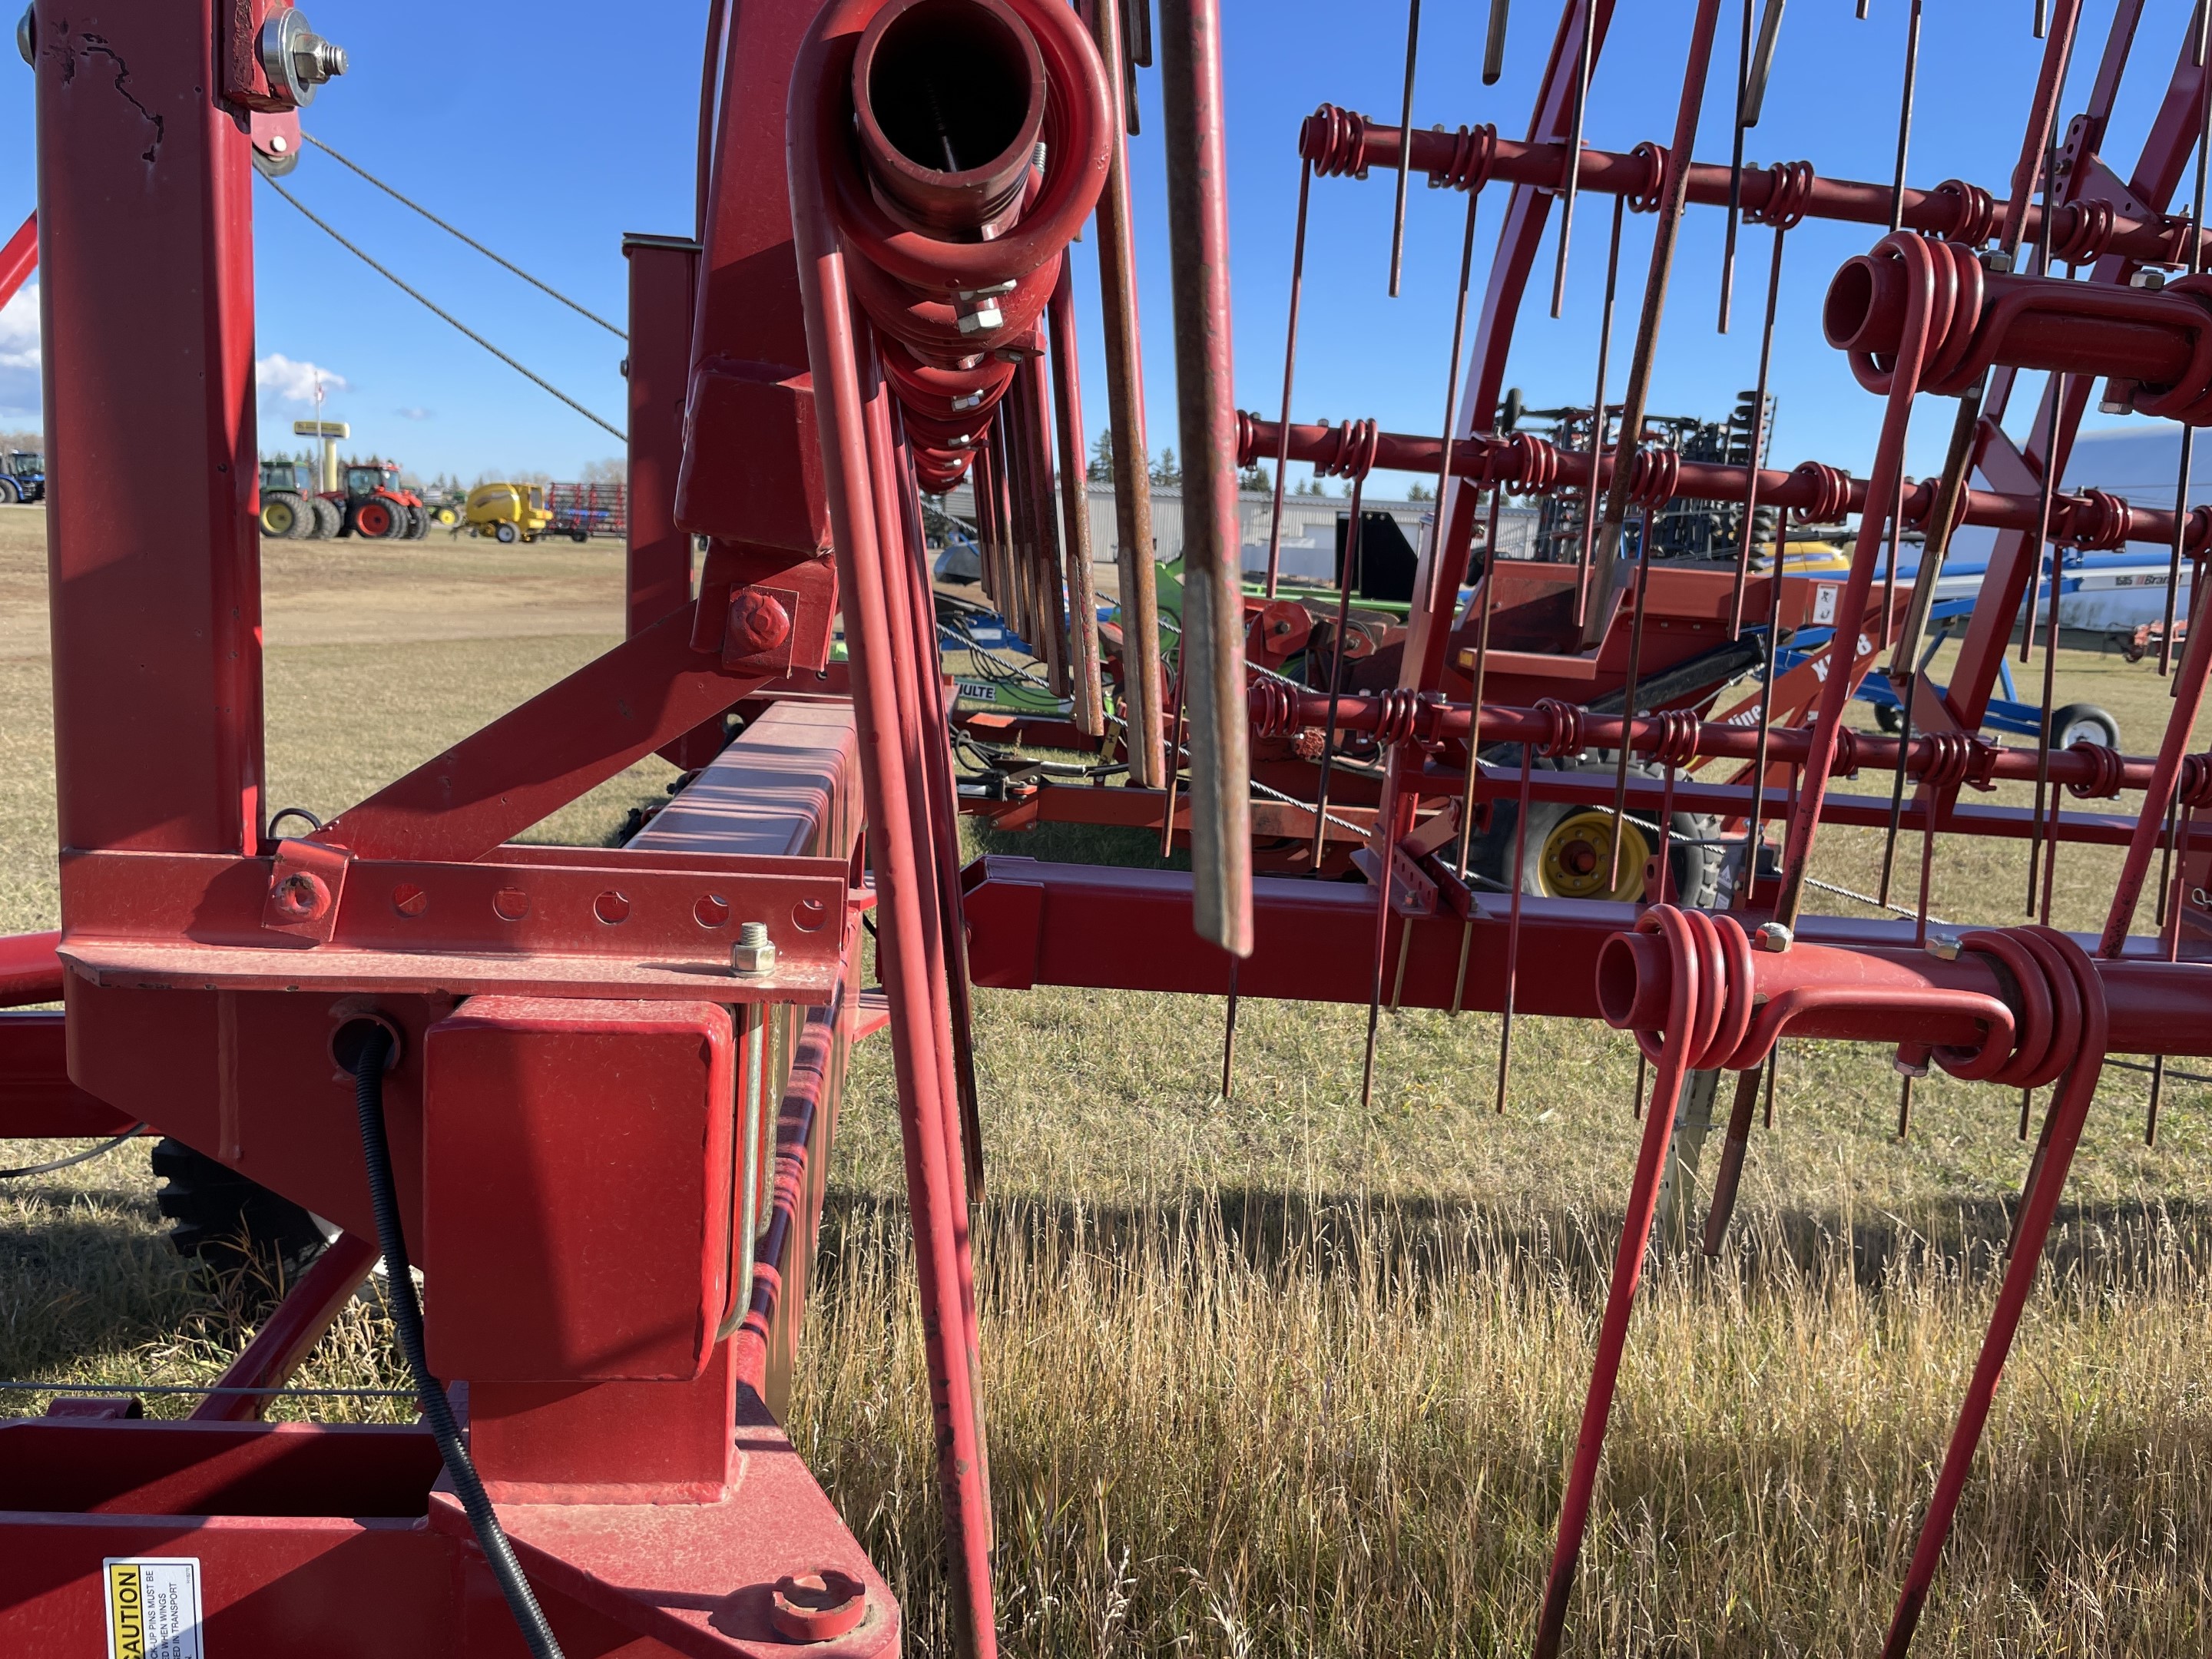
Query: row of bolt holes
[(611, 907)]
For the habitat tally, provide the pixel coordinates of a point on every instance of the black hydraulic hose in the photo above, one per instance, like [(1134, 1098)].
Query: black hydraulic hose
[(430, 1394)]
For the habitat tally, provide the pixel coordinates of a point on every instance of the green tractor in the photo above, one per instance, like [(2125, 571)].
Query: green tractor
[(290, 508)]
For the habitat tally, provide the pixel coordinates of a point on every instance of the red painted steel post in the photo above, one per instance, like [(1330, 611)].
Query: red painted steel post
[(663, 282), (1214, 615), (146, 227), (815, 122)]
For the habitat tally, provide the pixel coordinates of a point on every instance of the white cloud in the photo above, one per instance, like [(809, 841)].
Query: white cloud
[(294, 382), (19, 352)]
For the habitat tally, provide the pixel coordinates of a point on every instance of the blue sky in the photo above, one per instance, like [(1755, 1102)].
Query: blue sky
[(580, 126)]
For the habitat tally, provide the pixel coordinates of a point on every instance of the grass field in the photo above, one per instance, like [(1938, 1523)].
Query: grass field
[(1280, 1376)]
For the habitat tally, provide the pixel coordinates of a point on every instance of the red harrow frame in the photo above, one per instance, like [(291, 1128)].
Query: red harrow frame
[(595, 1090)]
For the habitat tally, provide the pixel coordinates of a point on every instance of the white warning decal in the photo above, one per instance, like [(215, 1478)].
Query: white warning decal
[(153, 1607)]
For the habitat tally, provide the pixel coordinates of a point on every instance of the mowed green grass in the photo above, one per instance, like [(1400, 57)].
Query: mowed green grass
[(1281, 1374)]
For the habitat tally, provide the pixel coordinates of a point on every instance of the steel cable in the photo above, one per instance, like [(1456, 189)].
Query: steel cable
[(87, 1155), (438, 310), (454, 231)]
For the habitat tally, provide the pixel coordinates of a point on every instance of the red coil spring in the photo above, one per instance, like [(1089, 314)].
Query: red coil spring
[(1399, 709), (2032, 1036), (1647, 196), (1531, 464), (2198, 531), (2106, 779), (1474, 152), (1788, 197), (1562, 729), (1844, 763), (2098, 520), (1353, 453), (909, 280), (2083, 232), (1920, 505), (1973, 212), (2193, 788), (1950, 364), (1654, 477), (1957, 757), (1335, 141), (1678, 738), (2189, 399), (1273, 708), (1832, 488)]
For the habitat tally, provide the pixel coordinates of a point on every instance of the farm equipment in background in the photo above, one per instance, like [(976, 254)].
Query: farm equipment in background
[(507, 512), (23, 478), (581, 511), (375, 505), (595, 1088), (291, 507)]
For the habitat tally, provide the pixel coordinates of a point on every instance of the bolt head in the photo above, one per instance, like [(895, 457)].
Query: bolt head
[(300, 896), (758, 622), (2147, 278), (1772, 936), (1944, 946)]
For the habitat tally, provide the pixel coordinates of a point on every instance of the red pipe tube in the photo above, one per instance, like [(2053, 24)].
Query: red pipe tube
[(1814, 492), (1339, 142), (29, 970), (2089, 770)]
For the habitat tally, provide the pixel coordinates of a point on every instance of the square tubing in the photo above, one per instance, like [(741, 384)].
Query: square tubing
[(145, 219)]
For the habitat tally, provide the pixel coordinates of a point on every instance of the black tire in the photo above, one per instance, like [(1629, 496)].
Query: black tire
[(284, 516), (579, 535), (12, 493), (225, 1219), (505, 535), (1890, 717), (2081, 722), (329, 521), (418, 522), (1696, 867)]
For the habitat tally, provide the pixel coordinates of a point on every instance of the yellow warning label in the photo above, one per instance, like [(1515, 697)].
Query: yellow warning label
[(153, 1608)]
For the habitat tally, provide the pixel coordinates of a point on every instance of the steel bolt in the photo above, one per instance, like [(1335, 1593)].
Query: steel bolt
[(2153, 280), (752, 953), (758, 622), (1945, 946), (1772, 936), (301, 896)]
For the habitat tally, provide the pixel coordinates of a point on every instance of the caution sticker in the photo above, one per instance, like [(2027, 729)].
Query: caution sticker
[(153, 1607)]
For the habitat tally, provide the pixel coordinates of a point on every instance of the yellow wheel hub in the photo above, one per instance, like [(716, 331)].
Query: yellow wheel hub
[(1577, 858), (277, 518)]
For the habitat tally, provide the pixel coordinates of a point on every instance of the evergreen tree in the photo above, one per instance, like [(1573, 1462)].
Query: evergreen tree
[(1101, 470), (1255, 477), (1167, 471)]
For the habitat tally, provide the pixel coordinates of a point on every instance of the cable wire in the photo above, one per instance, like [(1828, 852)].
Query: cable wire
[(438, 310), (452, 230), (429, 1392), (132, 1133)]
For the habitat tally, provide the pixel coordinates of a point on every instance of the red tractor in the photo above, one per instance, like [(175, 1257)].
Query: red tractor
[(375, 504)]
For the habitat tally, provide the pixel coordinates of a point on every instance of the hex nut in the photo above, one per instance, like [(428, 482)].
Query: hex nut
[(753, 953), (1945, 946), (1772, 936)]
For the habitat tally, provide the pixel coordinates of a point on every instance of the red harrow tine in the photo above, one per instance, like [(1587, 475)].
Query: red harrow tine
[(1571, 165), (1626, 446), (2070, 1048), (1290, 368), (1698, 1007), (1405, 153), (2202, 40)]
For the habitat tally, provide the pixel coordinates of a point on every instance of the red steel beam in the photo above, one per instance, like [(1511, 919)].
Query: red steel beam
[(289, 1334), (145, 226), (20, 258), (1092, 927)]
